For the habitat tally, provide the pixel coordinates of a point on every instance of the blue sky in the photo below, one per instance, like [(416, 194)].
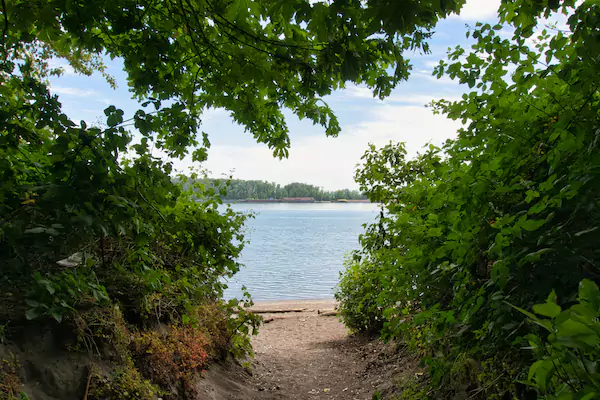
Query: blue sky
[(314, 158)]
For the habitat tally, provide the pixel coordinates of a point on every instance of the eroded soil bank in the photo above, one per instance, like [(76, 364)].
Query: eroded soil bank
[(309, 354)]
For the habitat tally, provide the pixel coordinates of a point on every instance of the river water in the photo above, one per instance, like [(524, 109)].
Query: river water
[(296, 251)]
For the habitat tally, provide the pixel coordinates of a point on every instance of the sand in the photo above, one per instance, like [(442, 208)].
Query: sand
[(307, 355)]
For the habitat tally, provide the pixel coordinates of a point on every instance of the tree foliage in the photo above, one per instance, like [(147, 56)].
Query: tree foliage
[(493, 221), (251, 58), (68, 193), (499, 216), (567, 348), (89, 218), (236, 189)]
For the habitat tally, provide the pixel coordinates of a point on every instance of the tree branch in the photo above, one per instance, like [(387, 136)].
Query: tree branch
[(5, 31)]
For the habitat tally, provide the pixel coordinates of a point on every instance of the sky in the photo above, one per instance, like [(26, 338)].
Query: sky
[(314, 158)]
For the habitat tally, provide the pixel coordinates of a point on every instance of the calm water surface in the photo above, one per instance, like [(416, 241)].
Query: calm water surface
[(296, 251)]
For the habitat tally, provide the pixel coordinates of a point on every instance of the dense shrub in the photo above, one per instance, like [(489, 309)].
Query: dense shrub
[(171, 356), (358, 294), (124, 383), (501, 215), (568, 348), (102, 331)]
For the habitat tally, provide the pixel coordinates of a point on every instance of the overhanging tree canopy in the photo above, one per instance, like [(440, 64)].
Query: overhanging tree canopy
[(65, 187), (252, 58)]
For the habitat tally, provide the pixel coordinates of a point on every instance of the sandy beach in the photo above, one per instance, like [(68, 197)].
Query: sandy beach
[(307, 353)]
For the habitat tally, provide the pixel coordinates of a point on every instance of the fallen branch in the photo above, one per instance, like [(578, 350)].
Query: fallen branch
[(328, 313), (267, 311), (87, 386)]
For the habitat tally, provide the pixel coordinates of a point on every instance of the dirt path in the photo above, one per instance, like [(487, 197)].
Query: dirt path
[(305, 355)]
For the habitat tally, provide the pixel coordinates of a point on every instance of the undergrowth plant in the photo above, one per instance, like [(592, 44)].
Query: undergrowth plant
[(10, 381), (567, 347), (125, 382), (173, 357)]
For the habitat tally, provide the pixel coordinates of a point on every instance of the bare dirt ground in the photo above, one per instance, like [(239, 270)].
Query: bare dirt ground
[(306, 355)]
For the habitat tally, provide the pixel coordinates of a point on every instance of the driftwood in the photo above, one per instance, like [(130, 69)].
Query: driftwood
[(271, 319), (278, 311), (327, 313)]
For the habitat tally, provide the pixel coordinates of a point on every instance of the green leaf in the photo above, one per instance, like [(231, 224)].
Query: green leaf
[(35, 230), (57, 315), (52, 232), (543, 323), (586, 231), (533, 368), (574, 328), (532, 225), (238, 9), (535, 256), (547, 309), (32, 313), (552, 298), (32, 303), (543, 373), (50, 288), (589, 292), (114, 120)]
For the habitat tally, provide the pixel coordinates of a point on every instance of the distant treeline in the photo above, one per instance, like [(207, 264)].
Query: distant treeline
[(263, 190)]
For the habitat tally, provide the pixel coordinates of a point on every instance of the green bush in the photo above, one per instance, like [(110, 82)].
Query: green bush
[(358, 294), (567, 349), (96, 233), (503, 213), (124, 383)]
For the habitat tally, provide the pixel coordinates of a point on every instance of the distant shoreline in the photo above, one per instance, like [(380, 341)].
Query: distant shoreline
[(258, 201)]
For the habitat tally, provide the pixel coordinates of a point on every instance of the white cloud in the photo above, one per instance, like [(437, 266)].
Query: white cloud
[(213, 114), (360, 92), (478, 10), (90, 94), (426, 75), (330, 162), (73, 91), (431, 64), (421, 99), (67, 69)]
